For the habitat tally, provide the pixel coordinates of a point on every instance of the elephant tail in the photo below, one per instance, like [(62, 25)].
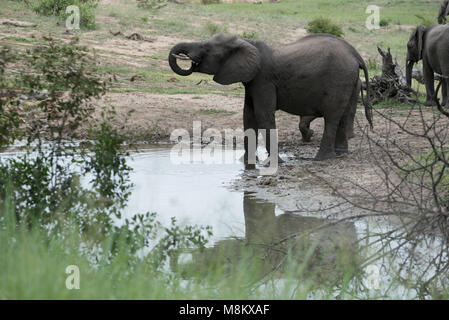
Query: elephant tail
[(366, 102)]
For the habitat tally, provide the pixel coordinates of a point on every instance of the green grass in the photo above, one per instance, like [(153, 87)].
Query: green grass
[(34, 267), (273, 22)]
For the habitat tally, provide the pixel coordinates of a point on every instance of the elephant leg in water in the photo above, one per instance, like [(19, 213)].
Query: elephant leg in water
[(304, 122)]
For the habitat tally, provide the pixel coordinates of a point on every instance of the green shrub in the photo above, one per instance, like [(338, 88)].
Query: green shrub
[(324, 25), (58, 8), (383, 22)]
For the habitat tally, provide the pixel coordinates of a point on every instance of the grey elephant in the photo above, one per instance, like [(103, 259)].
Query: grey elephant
[(431, 44), (314, 76), (444, 12)]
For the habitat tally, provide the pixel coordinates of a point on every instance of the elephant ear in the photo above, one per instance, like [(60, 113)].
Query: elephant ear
[(242, 64), (418, 35)]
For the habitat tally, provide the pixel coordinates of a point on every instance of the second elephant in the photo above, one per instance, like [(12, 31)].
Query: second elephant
[(431, 45)]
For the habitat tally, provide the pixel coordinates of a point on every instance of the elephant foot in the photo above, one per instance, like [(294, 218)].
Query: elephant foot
[(245, 160), (341, 152), (267, 162), (324, 156), (307, 137), (430, 103), (250, 166)]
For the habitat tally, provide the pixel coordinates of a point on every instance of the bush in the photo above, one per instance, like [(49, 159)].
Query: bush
[(58, 8), (324, 25), (383, 22)]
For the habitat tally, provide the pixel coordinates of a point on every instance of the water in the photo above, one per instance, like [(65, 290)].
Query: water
[(198, 194), (194, 193)]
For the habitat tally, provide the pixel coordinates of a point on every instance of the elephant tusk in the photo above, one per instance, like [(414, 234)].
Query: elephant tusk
[(181, 56)]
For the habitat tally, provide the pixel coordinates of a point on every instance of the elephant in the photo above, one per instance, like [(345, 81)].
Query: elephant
[(431, 44), (315, 76), (444, 12), (304, 122)]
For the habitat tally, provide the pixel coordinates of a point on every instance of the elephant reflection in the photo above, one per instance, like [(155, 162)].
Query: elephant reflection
[(271, 240)]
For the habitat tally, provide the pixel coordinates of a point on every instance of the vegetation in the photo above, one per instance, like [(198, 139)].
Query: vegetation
[(324, 25), (383, 22)]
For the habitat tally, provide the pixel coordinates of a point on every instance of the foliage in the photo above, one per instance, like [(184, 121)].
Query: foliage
[(57, 186), (324, 25), (383, 22), (58, 8)]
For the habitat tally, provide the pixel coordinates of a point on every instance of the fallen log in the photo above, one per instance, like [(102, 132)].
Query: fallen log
[(391, 83)]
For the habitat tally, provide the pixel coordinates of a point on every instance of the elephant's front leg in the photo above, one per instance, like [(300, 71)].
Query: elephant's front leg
[(250, 135), (429, 80), (264, 101)]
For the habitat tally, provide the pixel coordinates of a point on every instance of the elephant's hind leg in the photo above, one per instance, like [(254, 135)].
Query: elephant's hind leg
[(327, 146), (341, 138), (335, 119), (304, 128), (352, 111)]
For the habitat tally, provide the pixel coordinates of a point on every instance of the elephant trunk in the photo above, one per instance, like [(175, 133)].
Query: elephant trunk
[(408, 72), (177, 51)]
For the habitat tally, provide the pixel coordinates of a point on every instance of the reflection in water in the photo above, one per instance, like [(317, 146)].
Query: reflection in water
[(285, 244)]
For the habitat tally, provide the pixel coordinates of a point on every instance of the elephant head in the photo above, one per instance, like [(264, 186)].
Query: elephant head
[(414, 51), (228, 58)]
